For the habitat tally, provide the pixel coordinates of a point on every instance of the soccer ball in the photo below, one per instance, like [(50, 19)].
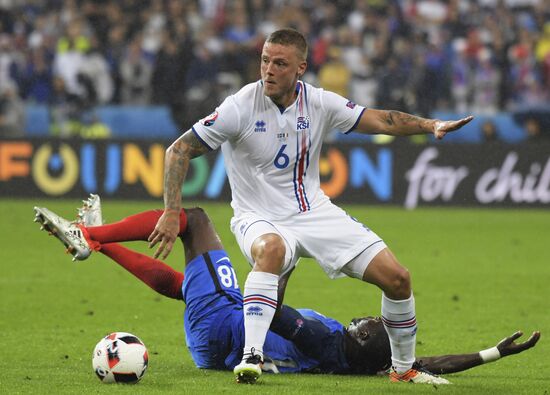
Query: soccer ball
[(120, 358)]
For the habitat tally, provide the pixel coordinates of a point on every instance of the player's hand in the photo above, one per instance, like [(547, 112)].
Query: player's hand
[(441, 128), (166, 231), (508, 346)]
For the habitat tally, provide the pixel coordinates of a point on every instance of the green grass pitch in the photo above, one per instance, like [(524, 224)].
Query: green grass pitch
[(478, 276)]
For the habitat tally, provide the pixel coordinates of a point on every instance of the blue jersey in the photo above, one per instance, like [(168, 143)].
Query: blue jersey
[(214, 324)]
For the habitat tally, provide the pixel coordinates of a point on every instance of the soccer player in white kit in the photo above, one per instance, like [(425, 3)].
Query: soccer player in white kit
[(271, 133)]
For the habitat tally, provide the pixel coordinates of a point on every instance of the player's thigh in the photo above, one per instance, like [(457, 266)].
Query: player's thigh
[(357, 267), (334, 238), (249, 229)]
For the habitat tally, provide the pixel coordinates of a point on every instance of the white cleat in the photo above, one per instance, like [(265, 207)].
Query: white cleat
[(90, 212), (417, 375), (249, 370), (67, 232)]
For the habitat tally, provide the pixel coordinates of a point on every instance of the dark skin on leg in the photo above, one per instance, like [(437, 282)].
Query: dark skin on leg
[(200, 236)]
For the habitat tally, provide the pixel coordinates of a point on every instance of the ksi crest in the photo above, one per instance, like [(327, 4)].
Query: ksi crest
[(302, 123)]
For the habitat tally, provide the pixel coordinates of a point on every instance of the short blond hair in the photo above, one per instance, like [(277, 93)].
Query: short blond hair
[(288, 37)]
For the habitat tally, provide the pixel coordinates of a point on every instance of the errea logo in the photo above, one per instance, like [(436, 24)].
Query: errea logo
[(260, 127), (254, 310)]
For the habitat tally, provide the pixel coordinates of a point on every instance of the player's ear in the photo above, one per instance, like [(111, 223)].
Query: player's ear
[(301, 69)]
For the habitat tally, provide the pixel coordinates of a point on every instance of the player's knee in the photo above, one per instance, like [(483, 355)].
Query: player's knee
[(268, 252), (196, 218), (400, 284)]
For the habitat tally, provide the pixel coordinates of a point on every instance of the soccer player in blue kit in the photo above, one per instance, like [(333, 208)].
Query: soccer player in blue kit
[(298, 341)]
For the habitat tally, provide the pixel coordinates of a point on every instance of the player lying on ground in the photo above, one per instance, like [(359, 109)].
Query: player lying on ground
[(299, 340)]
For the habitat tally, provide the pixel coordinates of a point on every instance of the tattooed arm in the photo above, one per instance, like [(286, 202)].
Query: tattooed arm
[(176, 163), (396, 123)]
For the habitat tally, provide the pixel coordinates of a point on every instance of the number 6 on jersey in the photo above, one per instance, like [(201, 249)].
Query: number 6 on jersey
[(281, 160)]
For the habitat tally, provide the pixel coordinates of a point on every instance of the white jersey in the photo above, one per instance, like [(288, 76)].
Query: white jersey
[(272, 157)]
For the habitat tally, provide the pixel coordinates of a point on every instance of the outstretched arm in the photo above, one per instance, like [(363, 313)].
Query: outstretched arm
[(457, 363), (396, 123), (176, 164)]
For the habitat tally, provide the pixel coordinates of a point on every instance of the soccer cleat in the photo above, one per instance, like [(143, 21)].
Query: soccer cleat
[(417, 375), (90, 212), (67, 232), (249, 370)]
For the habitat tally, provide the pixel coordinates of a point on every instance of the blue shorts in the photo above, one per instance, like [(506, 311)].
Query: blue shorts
[(213, 319)]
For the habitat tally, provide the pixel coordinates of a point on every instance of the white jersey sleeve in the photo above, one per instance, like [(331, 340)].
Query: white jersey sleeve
[(223, 124), (342, 114)]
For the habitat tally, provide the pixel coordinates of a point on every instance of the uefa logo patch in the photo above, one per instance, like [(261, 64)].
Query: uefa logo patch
[(209, 120), (351, 104)]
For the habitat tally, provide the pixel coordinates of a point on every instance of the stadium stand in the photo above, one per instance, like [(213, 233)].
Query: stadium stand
[(126, 63)]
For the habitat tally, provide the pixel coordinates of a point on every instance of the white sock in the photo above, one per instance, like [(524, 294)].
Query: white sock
[(260, 303), (400, 323)]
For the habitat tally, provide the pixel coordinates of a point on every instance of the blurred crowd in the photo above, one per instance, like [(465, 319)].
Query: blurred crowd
[(417, 56)]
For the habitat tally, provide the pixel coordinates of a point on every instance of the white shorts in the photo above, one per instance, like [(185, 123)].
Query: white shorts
[(327, 234)]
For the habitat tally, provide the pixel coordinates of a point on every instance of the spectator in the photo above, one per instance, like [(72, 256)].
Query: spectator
[(95, 72), (136, 72), (542, 53), (489, 132), (485, 86), (461, 84), (167, 73), (543, 44), (36, 79), (12, 112), (334, 75), (115, 50), (65, 110), (393, 82), (10, 61), (534, 130), (239, 43), (70, 58)]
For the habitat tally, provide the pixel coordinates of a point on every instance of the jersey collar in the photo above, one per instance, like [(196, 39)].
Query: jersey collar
[(281, 108)]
